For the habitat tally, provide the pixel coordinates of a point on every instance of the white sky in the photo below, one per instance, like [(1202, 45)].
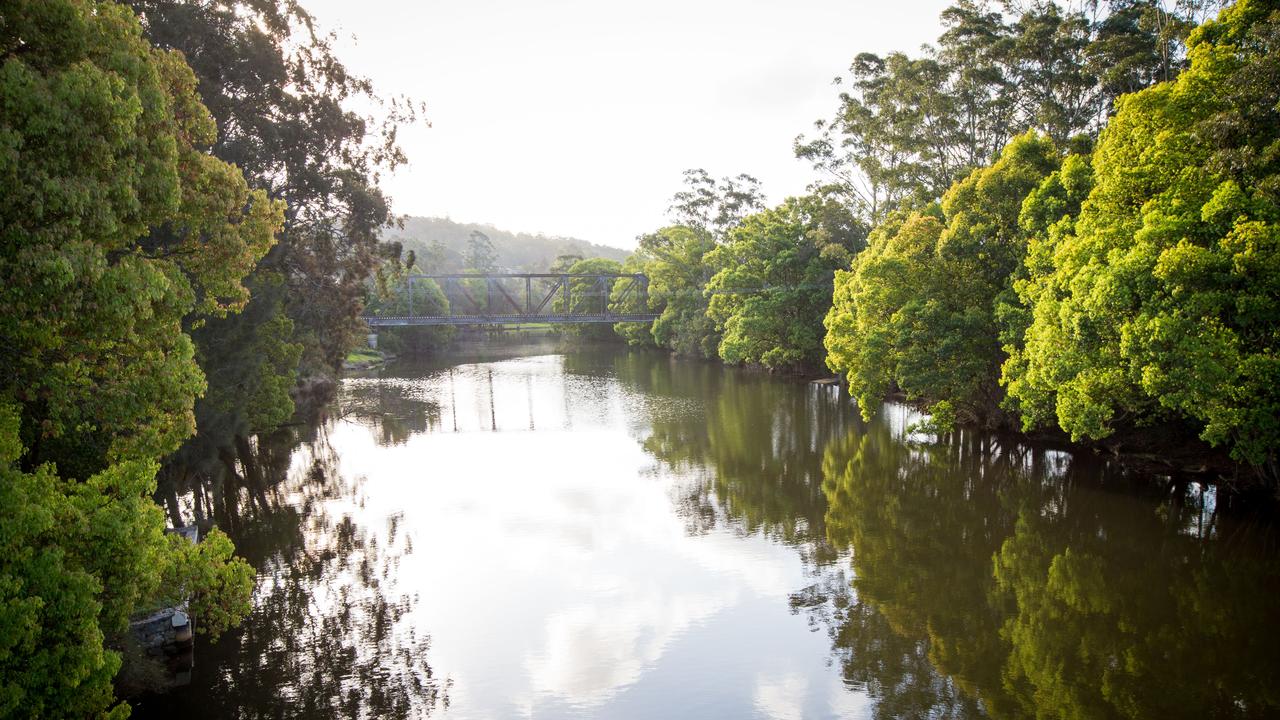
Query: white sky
[(577, 118)]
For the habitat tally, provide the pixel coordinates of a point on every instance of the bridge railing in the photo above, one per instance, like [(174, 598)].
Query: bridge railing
[(524, 298)]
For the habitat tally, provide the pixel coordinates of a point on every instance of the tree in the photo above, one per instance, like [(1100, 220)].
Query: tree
[(1057, 94), (1162, 299), (921, 309), (590, 296), (707, 205), (562, 263), (907, 128), (281, 99), (627, 297), (673, 259), (774, 282), (117, 227), (480, 257), (888, 144), (677, 261)]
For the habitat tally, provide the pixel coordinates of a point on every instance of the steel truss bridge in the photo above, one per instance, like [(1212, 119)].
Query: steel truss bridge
[(525, 298)]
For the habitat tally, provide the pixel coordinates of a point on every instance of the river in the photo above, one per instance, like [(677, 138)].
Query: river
[(523, 531)]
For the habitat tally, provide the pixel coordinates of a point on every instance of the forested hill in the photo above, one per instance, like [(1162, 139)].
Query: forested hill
[(441, 245)]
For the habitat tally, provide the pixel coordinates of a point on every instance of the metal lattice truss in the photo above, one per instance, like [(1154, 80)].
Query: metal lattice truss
[(519, 299)]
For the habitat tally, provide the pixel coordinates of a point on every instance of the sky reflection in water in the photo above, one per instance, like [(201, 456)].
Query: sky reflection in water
[(571, 585), (619, 534)]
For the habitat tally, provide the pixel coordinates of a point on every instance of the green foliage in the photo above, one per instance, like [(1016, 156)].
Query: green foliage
[(674, 261), (1048, 215), (921, 309), (426, 299), (282, 101), (480, 257), (626, 298), (715, 207), (1161, 298), (589, 296), (115, 226), (217, 586), (774, 282), (678, 261), (251, 363), (441, 246), (907, 128), (77, 558), (52, 661)]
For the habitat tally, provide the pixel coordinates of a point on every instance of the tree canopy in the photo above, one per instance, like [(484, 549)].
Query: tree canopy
[(119, 229), (1161, 297), (774, 280), (920, 309)]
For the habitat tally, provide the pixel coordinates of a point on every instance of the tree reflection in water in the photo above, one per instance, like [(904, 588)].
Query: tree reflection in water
[(1014, 582), (984, 578), (755, 441), (326, 637), (955, 578)]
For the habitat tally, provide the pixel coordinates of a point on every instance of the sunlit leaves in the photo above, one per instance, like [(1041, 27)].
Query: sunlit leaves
[(1161, 298), (774, 281), (922, 309)]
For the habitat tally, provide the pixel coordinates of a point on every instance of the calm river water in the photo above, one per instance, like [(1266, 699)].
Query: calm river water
[(525, 532)]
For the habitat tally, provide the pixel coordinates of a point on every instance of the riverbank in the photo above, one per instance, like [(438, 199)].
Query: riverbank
[(1158, 451)]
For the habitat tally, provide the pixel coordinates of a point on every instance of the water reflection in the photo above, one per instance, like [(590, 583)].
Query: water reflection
[(1010, 582), (620, 534), (327, 636), (752, 443)]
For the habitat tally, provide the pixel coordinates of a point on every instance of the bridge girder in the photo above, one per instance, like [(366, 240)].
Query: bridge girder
[(500, 307)]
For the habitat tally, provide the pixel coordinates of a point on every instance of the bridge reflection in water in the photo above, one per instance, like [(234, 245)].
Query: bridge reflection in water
[(524, 298)]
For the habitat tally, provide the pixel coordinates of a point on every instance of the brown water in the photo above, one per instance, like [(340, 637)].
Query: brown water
[(523, 532)]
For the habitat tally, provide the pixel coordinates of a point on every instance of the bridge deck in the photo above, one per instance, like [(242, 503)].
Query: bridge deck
[(558, 319)]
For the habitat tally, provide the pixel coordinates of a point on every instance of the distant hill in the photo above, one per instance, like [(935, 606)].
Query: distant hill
[(516, 252)]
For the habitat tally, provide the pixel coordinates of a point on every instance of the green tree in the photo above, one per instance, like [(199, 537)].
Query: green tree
[(480, 257), (889, 142), (1162, 299), (906, 128), (1048, 216), (673, 259), (590, 296), (628, 297), (422, 297), (706, 204), (117, 227), (562, 263), (774, 282), (282, 100), (921, 309)]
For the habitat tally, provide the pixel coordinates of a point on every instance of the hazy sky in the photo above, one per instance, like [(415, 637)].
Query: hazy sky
[(574, 117)]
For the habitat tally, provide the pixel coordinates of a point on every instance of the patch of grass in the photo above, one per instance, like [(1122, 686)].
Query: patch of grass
[(363, 355)]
